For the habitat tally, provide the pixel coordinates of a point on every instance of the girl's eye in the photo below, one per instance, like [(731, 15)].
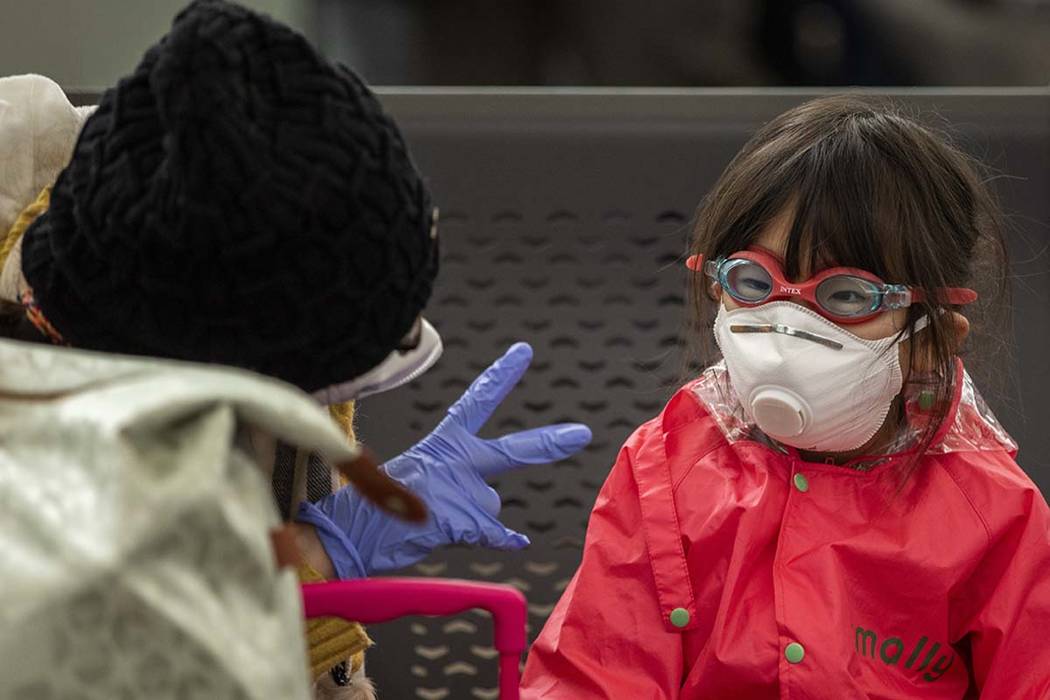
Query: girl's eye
[(848, 297), (845, 295), (748, 282), (755, 285)]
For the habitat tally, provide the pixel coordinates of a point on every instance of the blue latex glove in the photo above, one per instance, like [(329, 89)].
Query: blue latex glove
[(447, 469)]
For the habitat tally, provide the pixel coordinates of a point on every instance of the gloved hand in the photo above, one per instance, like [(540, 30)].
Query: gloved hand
[(447, 469)]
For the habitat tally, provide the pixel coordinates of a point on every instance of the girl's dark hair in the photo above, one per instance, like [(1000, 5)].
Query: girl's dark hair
[(869, 188)]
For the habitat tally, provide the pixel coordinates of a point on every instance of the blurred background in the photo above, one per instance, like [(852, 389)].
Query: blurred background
[(89, 43)]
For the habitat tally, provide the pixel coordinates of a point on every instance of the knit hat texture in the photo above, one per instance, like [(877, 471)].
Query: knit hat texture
[(239, 200)]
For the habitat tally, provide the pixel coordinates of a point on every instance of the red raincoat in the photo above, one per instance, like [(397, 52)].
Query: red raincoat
[(718, 565)]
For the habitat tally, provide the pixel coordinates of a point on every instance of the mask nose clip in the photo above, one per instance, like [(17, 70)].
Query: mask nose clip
[(784, 330)]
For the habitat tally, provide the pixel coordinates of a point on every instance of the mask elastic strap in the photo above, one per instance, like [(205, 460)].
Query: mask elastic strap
[(894, 340), (920, 325)]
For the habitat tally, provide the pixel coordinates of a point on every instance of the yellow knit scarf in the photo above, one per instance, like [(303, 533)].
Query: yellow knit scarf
[(332, 640), (28, 216)]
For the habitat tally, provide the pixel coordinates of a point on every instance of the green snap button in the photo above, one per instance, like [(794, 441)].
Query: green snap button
[(801, 482), (794, 652), (679, 617)]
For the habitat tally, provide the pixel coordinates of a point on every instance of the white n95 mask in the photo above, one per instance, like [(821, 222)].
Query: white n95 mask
[(805, 381), (399, 368)]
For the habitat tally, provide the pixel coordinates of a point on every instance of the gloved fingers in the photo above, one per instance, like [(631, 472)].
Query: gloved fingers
[(496, 536), (487, 392), (464, 521), (537, 446), (489, 500)]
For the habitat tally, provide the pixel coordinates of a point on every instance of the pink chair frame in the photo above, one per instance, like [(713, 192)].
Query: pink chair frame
[(375, 600)]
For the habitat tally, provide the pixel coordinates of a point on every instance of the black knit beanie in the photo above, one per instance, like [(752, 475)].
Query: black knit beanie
[(237, 199)]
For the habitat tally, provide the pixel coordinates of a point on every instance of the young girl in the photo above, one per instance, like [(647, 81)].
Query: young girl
[(831, 511)]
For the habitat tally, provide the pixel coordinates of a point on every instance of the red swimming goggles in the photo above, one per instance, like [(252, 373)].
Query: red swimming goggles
[(841, 294)]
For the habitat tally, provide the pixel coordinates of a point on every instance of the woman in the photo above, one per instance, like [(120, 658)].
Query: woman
[(238, 200)]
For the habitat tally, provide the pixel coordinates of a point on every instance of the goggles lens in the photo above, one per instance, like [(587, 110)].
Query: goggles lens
[(848, 296), (746, 281)]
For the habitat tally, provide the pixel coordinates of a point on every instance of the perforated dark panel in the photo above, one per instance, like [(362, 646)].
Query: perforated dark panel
[(599, 298), (564, 219)]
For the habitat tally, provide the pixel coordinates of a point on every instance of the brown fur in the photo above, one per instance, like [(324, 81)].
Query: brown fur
[(360, 687)]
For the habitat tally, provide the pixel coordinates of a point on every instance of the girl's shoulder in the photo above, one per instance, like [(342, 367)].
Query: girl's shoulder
[(993, 484), (697, 419), (979, 456), (699, 404), (709, 405)]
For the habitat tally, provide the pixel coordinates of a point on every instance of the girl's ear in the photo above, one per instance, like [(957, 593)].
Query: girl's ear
[(923, 359), (961, 324)]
